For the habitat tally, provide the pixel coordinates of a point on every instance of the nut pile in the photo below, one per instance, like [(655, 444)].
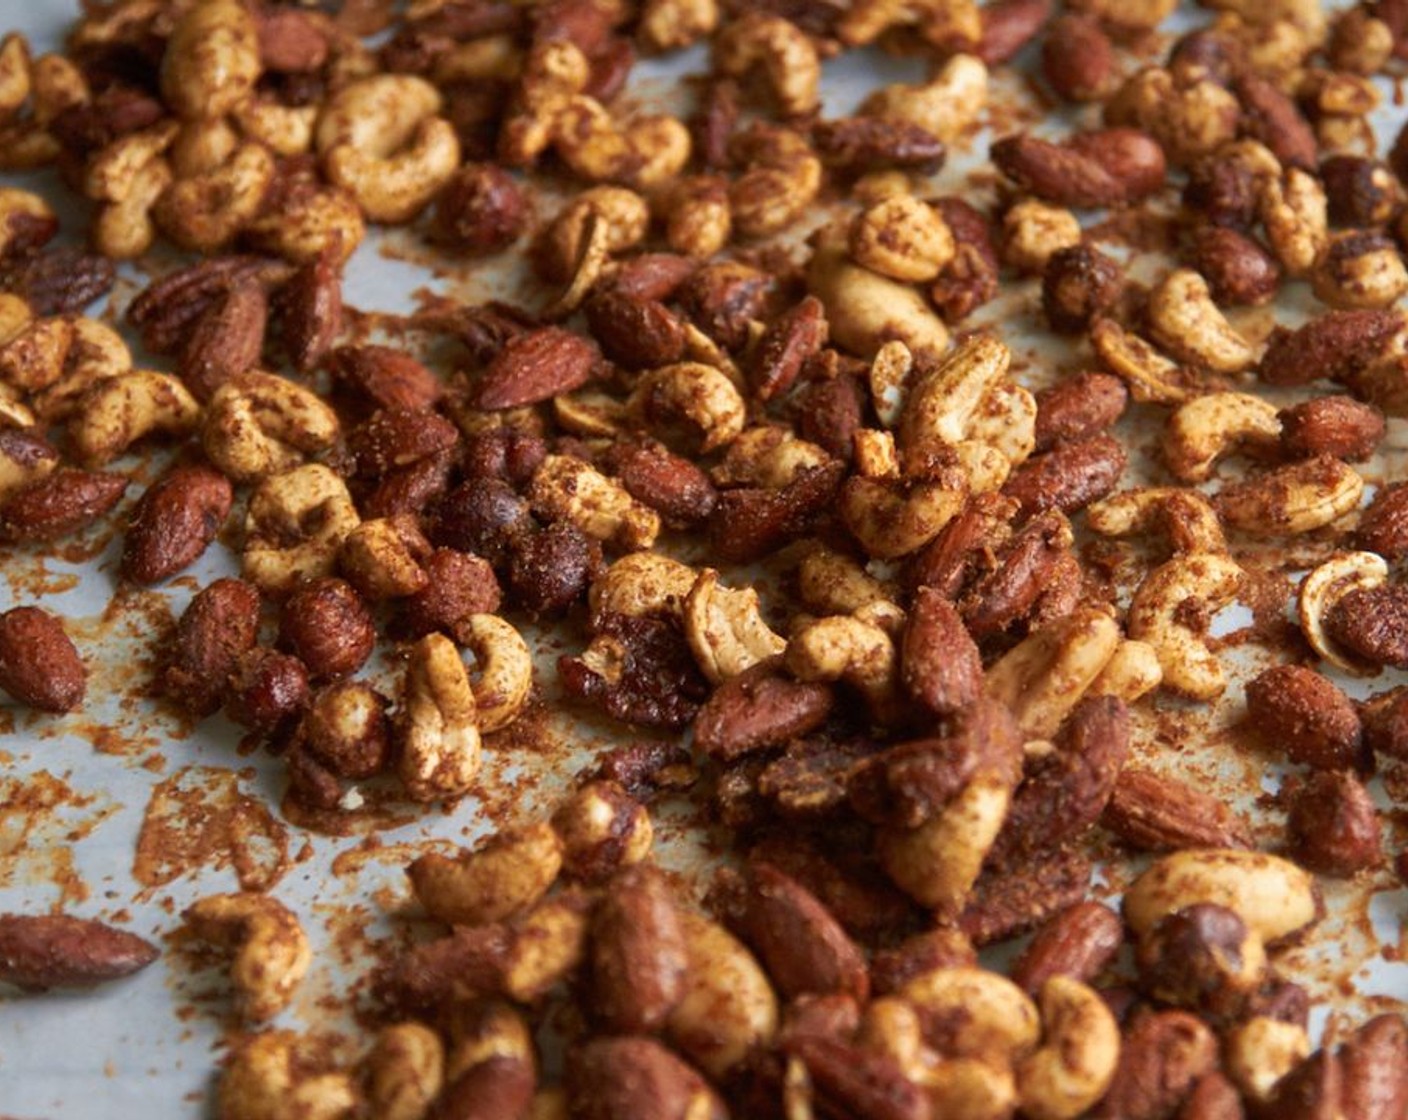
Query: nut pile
[(920, 737)]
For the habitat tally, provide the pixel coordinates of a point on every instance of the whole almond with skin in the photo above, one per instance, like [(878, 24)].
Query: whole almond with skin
[(216, 631), (174, 522), (39, 665), (1008, 26), (633, 1076), (1383, 527), (60, 504), (793, 337), (1372, 622), (633, 332), (395, 438), (386, 377), (310, 310), (1112, 167), (1155, 813), (227, 340), (857, 1081), (1375, 1063), (534, 367), (1078, 942), (290, 42), (498, 1087), (1340, 426), (1077, 58), (639, 956), (1078, 407), (939, 662), (1335, 346), (38, 952), (759, 708), (1304, 714), (1068, 477)]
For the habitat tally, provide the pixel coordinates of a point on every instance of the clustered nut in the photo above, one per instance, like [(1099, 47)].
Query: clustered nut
[(918, 738)]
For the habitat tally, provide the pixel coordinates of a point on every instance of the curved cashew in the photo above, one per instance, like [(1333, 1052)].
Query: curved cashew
[(201, 147), (888, 379), (1294, 499), (941, 407), (493, 882), (277, 1075), (34, 357), (405, 1071), (1000, 1022), (118, 411), (725, 628), (553, 73), (505, 669), (295, 525), (381, 140), (780, 179), (698, 221), (124, 230), (309, 224), (1323, 588), (565, 486), (204, 212), (847, 649), (112, 173), (258, 424), (1042, 678), (271, 951), (1204, 429), (786, 54), (286, 130), (670, 25), (1295, 214), (1261, 1051), (382, 558), (1186, 322), (639, 584), (1159, 614), (1184, 516), (439, 722), (211, 61), (693, 393), (1132, 671), (95, 353), (1150, 375), (1078, 1057), (946, 106), (890, 521), (618, 217), (648, 152)]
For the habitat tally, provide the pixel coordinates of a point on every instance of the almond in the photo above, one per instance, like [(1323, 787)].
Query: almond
[(1078, 407), (1375, 1061), (536, 366), (60, 504), (758, 709), (1155, 813), (56, 951), (310, 307), (1068, 477), (633, 332), (639, 956), (227, 339), (174, 522), (1338, 426), (218, 628), (395, 438), (1111, 167), (1077, 58), (39, 665), (1334, 825), (1078, 942), (786, 345), (1299, 711), (1336, 346), (386, 377), (939, 662), (1383, 527), (612, 1078)]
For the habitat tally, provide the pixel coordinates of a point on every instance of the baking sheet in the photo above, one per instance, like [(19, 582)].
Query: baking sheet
[(74, 792)]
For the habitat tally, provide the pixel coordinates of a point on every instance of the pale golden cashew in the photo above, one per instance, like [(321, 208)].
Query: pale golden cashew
[(1259, 1052), (381, 140), (382, 558), (295, 526), (589, 268), (497, 880), (1164, 613), (124, 230), (493, 58), (311, 223), (647, 152), (1043, 677), (15, 316), (1000, 1023), (438, 722), (1201, 431), (34, 357), (725, 628), (1033, 230), (620, 216), (20, 209), (590, 413), (202, 146), (780, 179), (1005, 422), (1273, 896), (404, 1071), (111, 174), (946, 106), (277, 1075), (641, 584), (203, 213), (759, 38), (1080, 1052), (767, 456), (58, 85), (890, 521), (14, 75), (548, 945), (118, 411), (211, 61), (271, 952), (1305, 14), (1325, 586), (1294, 212), (830, 582), (728, 1009), (866, 310), (940, 409), (1132, 671), (849, 649), (1354, 274), (698, 220), (553, 73), (888, 379), (698, 396), (1150, 375), (602, 829), (1186, 322), (669, 25), (901, 237), (565, 486), (1290, 500), (505, 669), (1184, 516), (286, 130), (258, 424)]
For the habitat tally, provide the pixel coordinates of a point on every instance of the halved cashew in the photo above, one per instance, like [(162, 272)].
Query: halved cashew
[(874, 454), (295, 525), (505, 669), (258, 424), (1132, 671), (34, 358), (1261, 1051), (1079, 1053), (1187, 323), (1000, 1022), (1165, 613), (502, 878), (118, 411), (271, 951), (1323, 588), (1204, 429), (642, 583), (286, 130), (382, 558), (787, 55), (1294, 499), (382, 141), (277, 1075), (888, 379), (587, 269), (620, 216), (1295, 214), (565, 486), (647, 152), (946, 106), (941, 407), (1045, 675), (830, 582), (405, 1071), (1151, 376), (1273, 896), (892, 521), (902, 237), (1005, 422), (112, 173), (698, 396), (211, 60), (1184, 516), (439, 722), (847, 649), (204, 212), (725, 628)]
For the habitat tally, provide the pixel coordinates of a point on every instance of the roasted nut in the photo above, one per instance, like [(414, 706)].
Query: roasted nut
[(1077, 1059), (1368, 623), (271, 952), (903, 238), (1208, 427), (327, 626), (564, 486), (405, 1071), (1334, 825), (39, 665), (1044, 676), (346, 729), (1158, 813), (295, 525), (118, 411), (1327, 585), (1186, 322), (1291, 500), (1359, 269), (638, 956), (1078, 942), (43, 951), (438, 722), (1237, 269), (1171, 610), (788, 57), (1305, 714), (497, 880), (1111, 167), (1078, 284), (1338, 426), (1033, 232), (1077, 58), (612, 1078), (278, 1075), (259, 424), (174, 522), (602, 830)]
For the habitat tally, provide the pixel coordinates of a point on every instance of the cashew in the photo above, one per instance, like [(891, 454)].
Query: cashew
[(439, 722), (1160, 615), (621, 217), (646, 153), (1294, 499), (696, 395), (1000, 1022), (34, 357), (940, 409), (1273, 896), (698, 220), (1261, 1051), (1323, 588), (640, 584), (271, 952), (124, 230), (487, 1031), (505, 670), (1184, 516), (903, 238), (1204, 429), (502, 878), (846, 649), (553, 73), (1043, 677), (725, 628), (1004, 423), (874, 454), (1189, 325), (564, 486), (1294, 212), (381, 141), (382, 558), (1189, 119), (890, 521), (20, 209), (759, 38), (1033, 230), (201, 147), (1352, 274), (781, 178), (294, 527), (258, 424), (668, 25), (769, 457), (312, 222), (830, 582), (112, 173), (279, 1076), (118, 411), (947, 106), (286, 130), (95, 352), (1078, 1057), (204, 212), (211, 61), (549, 945), (1132, 671), (405, 1071), (602, 829), (15, 68), (1151, 376), (888, 377)]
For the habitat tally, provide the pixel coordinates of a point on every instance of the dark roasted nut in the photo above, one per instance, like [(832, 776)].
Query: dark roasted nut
[(1012, 901), (747, 524), (638, 955), (1224, 192), (1203, 958), (1078, 284), (409, 491), (857, 1082), (1163, 1054), (1033, 567), (60, 504), (1077, 58), (536, 366), (1335, 345), (485, 517), (830, 413), (1315, 1088), (218, 628), (1068, 477), (42, 951), (1298, 711), (1383, 528), (757, 709), (291, 41), (552, 569), (670, 484), (1078, 407), (1157, 814), (457, 585), (602, 829), (1375, 1064), (1360, 192), (165, 311), (1334, 825), (310, 311), (1270, 116), (1111, 167), (970, 279), (57, 281), (395, 438), (862, 144), (226, 340), (1008, 26), (1078, 942), (644, 674), (328, 626), (1213, 1098), (939, 662), (1239, 272), (385, 377), (633, 332), (944, 947), (789, 341), (174, 522), (39, 665), (267, 691), (501, 1085), (723, 298), (965, 546), (1338, 426), (482, 209), (346, 728), (637, 1078), (511, 454)]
